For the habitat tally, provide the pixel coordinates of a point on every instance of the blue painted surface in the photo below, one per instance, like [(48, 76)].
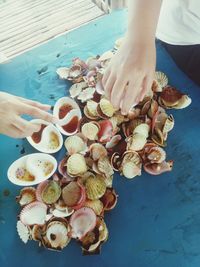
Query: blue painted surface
[(157, 220)]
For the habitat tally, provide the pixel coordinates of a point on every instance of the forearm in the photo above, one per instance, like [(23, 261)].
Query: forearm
[(142, 19)]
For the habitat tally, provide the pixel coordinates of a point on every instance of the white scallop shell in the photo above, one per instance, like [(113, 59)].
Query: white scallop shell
[(63, 72), (34, 213), (62, 213), (45, 145), (35, 164), (23, 232)]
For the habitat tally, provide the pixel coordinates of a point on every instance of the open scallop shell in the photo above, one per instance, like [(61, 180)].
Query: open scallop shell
[(57, 234), (27, 195), (63, 73), (34, 213), (82, 221), (109, 199), (158, 168), (76, 89), (69, 115), (50, 138), (51, 192), (32, 169)]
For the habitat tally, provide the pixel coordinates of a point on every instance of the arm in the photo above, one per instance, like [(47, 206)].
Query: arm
[(134, 63), (11, 109)]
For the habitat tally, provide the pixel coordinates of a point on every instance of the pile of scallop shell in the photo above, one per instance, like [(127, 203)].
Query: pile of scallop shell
[(100, 140)]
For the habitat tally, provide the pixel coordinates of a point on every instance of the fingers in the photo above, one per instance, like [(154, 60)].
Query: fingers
[(26, 127), (36, 112), (118, 92), (105, 76), (14, 132), (109, 85), (131, 95), (35, 104), (147, 84)]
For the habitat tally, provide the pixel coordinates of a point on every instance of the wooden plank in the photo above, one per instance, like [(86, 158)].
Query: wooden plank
[(25, 24)]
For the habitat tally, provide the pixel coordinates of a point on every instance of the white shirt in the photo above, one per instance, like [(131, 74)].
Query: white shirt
[(179, 22)]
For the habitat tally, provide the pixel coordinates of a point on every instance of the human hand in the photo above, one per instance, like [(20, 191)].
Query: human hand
[(130, 74), (11, 109)]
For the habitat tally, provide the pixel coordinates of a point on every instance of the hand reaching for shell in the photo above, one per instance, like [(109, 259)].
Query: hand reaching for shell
[(11, 109), (130, 74)]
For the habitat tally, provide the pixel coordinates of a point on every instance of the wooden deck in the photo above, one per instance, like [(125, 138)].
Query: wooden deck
[(26, 23)]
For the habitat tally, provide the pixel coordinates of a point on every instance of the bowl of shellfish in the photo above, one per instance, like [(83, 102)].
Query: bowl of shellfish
[(68, 200)]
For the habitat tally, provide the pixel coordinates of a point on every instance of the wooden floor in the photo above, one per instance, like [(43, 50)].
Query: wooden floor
[(26, 23)]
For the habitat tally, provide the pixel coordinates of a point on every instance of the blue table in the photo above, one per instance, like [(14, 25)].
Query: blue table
[(157, 220)]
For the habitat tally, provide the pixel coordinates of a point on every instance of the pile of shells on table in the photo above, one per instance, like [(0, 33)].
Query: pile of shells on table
[(100, 140)]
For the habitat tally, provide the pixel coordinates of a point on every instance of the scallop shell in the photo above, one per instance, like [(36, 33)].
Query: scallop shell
[(23, 232), (106, 131), (161, 78), (109, 199), (168, 125), (95, 188), (86, 94), (136, 142), (51, 192), (76, 165), (73, 195), (156, 155), (57, 234), (63, 73), (158, 168), (62, 213), (32, 169), (184, 102), (105, 167), (92, 241), (38, 232), (106, 107), (75, 144), (131, 164), (170, 96), (82, 221), (92, 108), (97, 151), (76, 89), (27, 195), (130, 170), (142, 129), (34, 213), (96, 205), (114, 141), (90, 130), (51, 138)]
